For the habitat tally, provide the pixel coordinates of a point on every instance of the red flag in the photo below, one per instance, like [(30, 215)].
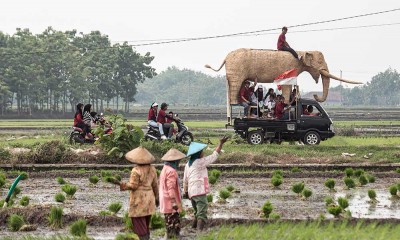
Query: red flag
[(287, 78)]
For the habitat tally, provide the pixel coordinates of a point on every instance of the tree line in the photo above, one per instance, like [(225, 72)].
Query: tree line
[(50, 71)]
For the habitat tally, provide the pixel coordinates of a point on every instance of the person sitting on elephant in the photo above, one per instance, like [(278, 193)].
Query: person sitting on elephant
[(284, 46), (244, 96)]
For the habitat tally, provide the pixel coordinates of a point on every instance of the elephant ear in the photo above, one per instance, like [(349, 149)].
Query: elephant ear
[(308, 58)]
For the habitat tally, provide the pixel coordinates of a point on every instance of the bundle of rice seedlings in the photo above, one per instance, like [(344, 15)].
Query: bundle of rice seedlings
[(212, 179), (104, 213), (60, 180), (224, 194), (24, 201), (359, 172), (70, 190), (55, 217), (115, 207), (306, 193), (2, 180), (17, 190), (59, 197), (210, 197), (298, 188), (371, 178), (157, 221), (267, 209), (343, 202), (78, 228), (128, 222), (372, 195), (393, 190), (363, 180), (335, 210), (349, 182), (15, 222), (94, 179), (276, 181), (230, 188), (349, 172), (24, 175), (329, 201), (277, 173), (330, 183)]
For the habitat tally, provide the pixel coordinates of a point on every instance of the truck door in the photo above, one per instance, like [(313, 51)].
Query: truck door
[(313, 117)]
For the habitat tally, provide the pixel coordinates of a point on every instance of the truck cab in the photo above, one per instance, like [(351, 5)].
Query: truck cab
[(309, 127)]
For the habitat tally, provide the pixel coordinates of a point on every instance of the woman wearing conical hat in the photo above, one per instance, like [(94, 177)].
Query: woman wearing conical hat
[(170, 193), (144, 190), (195, 180)]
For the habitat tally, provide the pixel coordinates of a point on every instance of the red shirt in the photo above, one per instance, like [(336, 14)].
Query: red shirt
[(78, 119), (245, 93), (152, 115), (161, 116), (281, 41), (279, 109)]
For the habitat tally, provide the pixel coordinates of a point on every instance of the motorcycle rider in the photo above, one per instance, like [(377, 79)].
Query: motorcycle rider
[(78, 118), (152, 119), (161, 118), (88, 119)]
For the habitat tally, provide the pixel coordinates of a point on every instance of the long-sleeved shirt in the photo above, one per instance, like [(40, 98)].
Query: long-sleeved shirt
[(87, 118), (195, 177), (169, 192)]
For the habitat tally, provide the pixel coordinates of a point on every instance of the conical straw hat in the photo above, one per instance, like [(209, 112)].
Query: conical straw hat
[(195, 147), (173, 155), (140, 155)]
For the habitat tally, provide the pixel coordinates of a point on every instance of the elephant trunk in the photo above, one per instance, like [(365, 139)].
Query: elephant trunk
[(327, 74), (325, 87)]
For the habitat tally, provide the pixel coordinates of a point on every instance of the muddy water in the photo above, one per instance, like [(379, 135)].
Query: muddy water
[(89, 200)]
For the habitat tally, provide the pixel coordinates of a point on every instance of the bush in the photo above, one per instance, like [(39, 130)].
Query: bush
[(276, 181), (157, 221), (335, 210), (363, 180), (230, 188), (224, 194), (393, 190), (94, 179), (267, 209), (115, 207), (349, 172), (55, 217), (69, 189), (359, 172), (298, 187), (210, 197), (343, 202), (24, 201), (307, 193), (125, 137), (59, 197), (15, 222), (49, 152), (329, 201), (372, 194), (330, 183), (78, 228), (60, 180), (349, 182)]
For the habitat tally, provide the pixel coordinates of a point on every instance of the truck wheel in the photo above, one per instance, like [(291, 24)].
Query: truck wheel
[(255, 137), (312, 138)]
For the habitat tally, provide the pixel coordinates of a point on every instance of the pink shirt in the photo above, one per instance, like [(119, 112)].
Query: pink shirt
[(169, 189), (195, 177)]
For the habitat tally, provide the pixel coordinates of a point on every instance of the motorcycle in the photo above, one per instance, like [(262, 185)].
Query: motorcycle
[(182, 135), (77, 134)]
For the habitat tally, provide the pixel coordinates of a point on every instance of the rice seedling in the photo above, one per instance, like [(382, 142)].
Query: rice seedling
[(212, 179), (78, 228), (157, 221), (349, 172), (10, 203), (126, 236), (393, 190), (306, 193), (55, 217), (298, 188), (329, 201), (349, 182), (182, 213), (330, 183), (94, 179), (343, 202), (397, 170), (2, 180), (335, 210), (60, 180), (267, 209), (230, 188), (295, 169), (24, 201), (372, 195), (215, 172), (17, 190), (115, 207), (110, 179), (363, 180), (210, 197), (277, 173), (105, 173), (224, 194), (105, 213), (24, 175), (371, 178), (274, 216), (276, 181), (118, 177), (128, 222), (359, 172), (70, 190), (59, 197), (15, 222)]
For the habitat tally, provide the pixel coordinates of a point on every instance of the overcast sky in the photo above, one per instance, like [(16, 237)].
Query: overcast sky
[(360, 52)]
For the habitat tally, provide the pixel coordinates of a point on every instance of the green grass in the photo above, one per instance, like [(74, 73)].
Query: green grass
[(312, 230)]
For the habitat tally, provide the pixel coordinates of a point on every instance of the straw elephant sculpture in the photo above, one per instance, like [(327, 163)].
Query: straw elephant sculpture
[(247, 64)]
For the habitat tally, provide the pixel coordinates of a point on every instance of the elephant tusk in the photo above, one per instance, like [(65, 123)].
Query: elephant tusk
[(327, 74)]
